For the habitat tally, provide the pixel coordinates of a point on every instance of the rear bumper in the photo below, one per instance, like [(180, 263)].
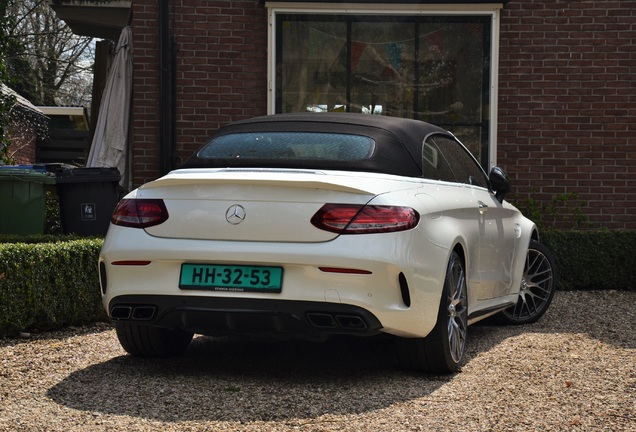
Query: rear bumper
[(222, 316), (378, 294)]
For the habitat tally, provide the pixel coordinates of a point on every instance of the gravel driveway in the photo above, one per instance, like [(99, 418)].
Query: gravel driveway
[(575, 370)]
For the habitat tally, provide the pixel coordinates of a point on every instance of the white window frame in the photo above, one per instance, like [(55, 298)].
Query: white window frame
[(493, 10)]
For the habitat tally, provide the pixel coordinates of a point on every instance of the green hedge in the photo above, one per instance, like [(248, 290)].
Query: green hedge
[(45, 286), (598, 260), (47, 282)]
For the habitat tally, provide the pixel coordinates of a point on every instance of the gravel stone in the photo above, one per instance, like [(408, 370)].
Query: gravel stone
[(574, 370)]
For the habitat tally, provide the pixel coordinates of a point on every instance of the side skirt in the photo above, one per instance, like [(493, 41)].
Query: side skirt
[(485, 313)]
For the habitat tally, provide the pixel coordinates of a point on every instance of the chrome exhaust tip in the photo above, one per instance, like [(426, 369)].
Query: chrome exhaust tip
[(121, 312), (143, 313)]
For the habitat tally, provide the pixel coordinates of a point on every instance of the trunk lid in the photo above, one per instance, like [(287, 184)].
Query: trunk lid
[(258, 204)]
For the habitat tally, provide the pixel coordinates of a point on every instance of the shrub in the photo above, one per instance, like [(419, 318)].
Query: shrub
[(598, 260), (586, 258), (52, 219), (49, 285), (47, 282), (562, 211)]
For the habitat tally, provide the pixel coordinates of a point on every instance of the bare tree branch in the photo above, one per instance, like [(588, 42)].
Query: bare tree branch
[(57, 57)]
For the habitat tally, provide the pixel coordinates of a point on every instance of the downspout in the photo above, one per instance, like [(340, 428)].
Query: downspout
[(174, 158), (165, 89)]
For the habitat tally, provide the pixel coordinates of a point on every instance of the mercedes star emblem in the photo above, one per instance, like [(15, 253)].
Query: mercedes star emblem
[(235, 214)]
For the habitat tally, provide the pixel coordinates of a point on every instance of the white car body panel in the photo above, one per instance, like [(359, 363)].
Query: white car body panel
[(277, 231)]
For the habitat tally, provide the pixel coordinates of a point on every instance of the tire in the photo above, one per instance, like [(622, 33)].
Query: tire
[(538, 285), (147, 341), (442, 351)]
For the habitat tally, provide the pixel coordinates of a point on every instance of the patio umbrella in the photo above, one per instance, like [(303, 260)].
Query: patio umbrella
[(109, 147)]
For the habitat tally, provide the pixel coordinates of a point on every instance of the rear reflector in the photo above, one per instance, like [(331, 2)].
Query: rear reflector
[(364, 219), (130, 263), (344, 270), (139, 213)]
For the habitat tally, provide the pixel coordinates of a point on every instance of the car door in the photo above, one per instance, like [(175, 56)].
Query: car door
[(490, 224)]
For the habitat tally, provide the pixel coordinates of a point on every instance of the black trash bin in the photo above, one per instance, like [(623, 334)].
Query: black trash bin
[(87, 198)]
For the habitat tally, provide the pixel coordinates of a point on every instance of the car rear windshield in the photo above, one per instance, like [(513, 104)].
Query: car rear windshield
[(289, 146)]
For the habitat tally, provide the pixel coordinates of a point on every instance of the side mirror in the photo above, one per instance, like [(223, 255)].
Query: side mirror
[(499, 183)]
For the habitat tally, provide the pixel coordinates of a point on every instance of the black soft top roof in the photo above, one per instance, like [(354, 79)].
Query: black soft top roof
[(398, 141)]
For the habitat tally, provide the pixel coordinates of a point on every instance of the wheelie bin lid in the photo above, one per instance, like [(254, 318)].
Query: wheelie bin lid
[(84, 175), (39, 168), (12, 173)]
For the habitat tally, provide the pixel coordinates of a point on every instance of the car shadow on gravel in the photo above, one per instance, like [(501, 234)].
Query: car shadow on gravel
[(225, 379), (239, 380)]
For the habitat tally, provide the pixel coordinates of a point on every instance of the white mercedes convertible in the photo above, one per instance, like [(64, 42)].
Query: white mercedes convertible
[(313, 225)]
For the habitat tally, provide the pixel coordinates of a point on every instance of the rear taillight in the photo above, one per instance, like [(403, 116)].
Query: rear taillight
[(139, 213), (364, 219)]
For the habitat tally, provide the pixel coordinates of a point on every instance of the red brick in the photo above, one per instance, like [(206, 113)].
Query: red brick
[(567, 107)]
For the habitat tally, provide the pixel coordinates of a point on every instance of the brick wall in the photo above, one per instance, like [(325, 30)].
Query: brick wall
[(567, 105), (221, 73), (145, 103)]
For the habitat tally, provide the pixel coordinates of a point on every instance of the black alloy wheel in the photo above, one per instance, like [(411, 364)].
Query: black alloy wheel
[(538, 285), (442, 351)]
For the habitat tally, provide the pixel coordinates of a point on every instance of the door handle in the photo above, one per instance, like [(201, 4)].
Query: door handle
[(482, 205)]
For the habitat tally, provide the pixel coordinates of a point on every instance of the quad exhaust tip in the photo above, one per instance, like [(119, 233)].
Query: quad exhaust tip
[(135, 313), (336, 321), (320, 320)]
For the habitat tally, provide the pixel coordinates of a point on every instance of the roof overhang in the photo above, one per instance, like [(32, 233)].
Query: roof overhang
[(21, 102), (78, 115), (103, 19)]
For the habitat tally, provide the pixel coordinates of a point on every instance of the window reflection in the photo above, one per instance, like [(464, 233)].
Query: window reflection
[(434, 68)]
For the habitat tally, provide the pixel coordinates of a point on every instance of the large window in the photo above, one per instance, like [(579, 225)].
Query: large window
[(432, 67)]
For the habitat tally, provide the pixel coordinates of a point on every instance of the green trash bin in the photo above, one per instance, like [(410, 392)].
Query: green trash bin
[(23, 200)]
